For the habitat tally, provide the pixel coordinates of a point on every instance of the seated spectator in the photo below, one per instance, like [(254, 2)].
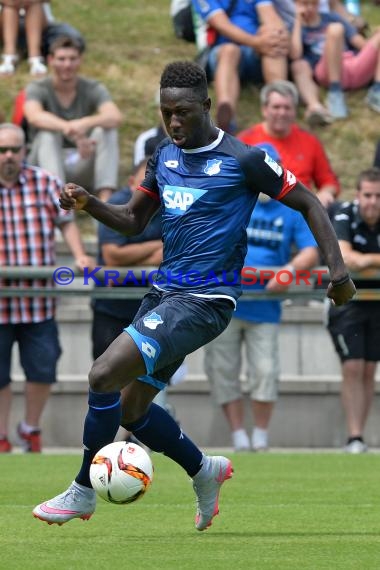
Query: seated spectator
[(251, 44), (287, 11), (300, 151), (146, 142), (328, 51), (73, 123), (34, 25), (51, 30)]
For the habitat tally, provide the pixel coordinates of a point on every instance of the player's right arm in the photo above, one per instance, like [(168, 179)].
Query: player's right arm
[(129, 219), (341, 288)]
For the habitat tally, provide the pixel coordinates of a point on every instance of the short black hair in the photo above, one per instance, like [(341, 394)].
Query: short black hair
[(186, 74)]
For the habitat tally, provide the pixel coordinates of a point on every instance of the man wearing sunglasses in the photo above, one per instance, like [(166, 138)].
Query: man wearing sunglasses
[(29, 204)]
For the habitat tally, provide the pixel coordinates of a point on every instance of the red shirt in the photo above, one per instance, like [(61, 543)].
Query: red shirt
[(301, 152)]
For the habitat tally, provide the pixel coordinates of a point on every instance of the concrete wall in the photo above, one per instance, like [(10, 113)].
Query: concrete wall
[(308, 413)]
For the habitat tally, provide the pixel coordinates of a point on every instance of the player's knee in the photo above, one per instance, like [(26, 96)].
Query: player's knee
[(100, 377)]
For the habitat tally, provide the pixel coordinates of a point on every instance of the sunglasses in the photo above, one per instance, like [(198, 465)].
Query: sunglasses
[(14, 149)]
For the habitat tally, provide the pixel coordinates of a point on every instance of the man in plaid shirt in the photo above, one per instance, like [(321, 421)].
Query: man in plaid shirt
[(29, 213)]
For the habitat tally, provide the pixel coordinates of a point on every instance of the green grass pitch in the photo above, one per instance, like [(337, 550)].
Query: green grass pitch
[(285, 511)]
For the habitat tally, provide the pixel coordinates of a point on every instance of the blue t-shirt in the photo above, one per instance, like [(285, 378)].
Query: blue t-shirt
[(207, 196), (123, 308), (243, 15), (272, 231), (314, 37)]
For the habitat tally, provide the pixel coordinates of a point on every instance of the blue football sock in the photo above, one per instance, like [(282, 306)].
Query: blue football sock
[(100, 428), (161, 433)]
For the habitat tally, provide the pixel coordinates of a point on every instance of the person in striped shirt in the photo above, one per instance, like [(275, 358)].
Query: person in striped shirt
[(29, 214)]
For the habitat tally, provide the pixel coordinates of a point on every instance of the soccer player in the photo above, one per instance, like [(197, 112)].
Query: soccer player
[(206, 183)]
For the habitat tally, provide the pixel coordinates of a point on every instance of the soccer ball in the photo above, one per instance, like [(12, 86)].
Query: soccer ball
[(121, 472)]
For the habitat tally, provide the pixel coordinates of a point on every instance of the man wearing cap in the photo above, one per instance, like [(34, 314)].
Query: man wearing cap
[(272, 232)]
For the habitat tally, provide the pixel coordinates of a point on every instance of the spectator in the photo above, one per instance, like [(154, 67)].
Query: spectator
[(328, 51), (146, 142), (287, 11), (272, 232), (34, 25), (73, 123), (300, 151), (30, 211), (251, 45), (355, 329), (51, 30)]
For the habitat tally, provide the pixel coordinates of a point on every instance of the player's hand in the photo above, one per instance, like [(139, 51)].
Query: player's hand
[(341, 294), (73, 197)]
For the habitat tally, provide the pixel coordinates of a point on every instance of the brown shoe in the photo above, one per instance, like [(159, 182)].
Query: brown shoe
[(319, 117)]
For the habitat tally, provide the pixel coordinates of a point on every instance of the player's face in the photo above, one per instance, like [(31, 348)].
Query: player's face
[(186, 119), (369, 202), (11, 155), (279, 114), (65, 63)]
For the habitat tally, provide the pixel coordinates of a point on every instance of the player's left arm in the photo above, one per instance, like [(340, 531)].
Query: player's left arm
[(341, 288)]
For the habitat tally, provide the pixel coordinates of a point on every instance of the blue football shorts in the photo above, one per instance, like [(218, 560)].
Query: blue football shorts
[(169, 326)]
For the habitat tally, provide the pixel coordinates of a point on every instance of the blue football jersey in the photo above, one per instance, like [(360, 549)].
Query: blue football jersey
[(207, 196)]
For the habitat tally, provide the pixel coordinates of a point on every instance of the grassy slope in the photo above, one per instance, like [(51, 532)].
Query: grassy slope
[(129, 42)]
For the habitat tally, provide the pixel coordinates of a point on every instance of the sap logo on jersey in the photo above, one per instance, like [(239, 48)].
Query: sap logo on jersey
[(178, 199)]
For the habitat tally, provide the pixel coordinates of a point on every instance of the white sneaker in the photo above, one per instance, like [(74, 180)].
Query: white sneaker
[(77, 502), (207, 484), (356, 446), (8, 65), (37, 67), (259, 439), (240, 440)]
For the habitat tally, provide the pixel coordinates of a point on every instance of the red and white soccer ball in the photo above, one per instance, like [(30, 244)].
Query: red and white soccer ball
[(121, 472)]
